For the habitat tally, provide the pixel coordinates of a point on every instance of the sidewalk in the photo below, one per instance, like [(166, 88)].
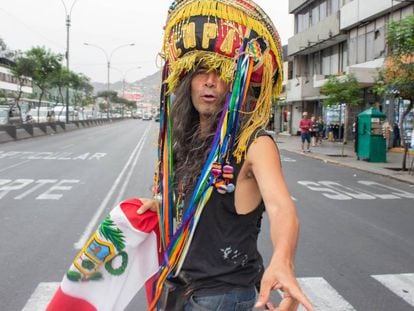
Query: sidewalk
[(330, 152)]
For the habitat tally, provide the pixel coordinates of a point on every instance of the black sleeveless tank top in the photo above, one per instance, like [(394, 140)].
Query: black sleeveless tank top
[(223, 254)]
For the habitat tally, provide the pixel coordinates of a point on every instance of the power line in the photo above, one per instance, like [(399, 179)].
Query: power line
[(32, 29)]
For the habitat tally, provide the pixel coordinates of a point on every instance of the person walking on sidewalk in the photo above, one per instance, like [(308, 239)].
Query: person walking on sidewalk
[(305, 126), (321, 130), (314, 131)]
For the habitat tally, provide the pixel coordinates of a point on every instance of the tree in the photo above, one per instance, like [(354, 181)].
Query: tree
[(398, 73), (22, 71), (82, 88), (46, 66), (60, 79), (3, 97), (342, 90), (397, 76), (5, 51)]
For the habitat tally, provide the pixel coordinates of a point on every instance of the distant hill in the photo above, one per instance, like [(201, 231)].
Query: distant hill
[(149, 87)]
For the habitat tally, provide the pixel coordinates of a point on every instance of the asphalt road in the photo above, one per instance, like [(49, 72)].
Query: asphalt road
[(356, 249)]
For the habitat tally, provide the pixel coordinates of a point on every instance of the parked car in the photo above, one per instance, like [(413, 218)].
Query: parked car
[(147, 116), (60, 113), (42, 114)]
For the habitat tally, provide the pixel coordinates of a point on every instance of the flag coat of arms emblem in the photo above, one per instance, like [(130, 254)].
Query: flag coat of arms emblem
[(113, 265)]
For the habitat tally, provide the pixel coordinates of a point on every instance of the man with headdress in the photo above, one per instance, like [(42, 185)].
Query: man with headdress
[(218, 169)]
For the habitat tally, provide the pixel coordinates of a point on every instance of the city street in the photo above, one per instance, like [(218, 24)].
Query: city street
[(356, 248)]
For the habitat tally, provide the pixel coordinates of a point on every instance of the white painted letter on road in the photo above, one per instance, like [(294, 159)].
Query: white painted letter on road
[(49, 195), (327, 192), (15, 185)]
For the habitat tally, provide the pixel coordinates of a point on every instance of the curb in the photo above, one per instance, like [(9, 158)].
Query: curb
[(13, 133)]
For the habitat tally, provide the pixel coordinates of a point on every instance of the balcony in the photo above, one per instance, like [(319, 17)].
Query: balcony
[(301, 88), (367, 72), (359, 11), (325, 33)]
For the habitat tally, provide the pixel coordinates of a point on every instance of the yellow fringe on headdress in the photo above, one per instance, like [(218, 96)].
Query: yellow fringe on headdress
[(261, 113), (212, 61), (226, 10)]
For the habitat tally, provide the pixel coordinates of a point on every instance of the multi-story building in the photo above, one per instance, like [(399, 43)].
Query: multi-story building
[(8, 83), (335, 37)]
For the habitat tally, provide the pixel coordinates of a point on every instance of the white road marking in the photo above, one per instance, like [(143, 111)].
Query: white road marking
[(50, 195), (356, 194), (395, 191), (128, 177), (39, 183), (92, 224), (14, 165), (41, 296), (327, 192), (400, 284), (336, 191), (323, 296)]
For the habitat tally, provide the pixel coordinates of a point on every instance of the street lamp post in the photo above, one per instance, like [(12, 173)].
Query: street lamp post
[(68, 15), (108, 63), (124, 76), (124, 80)]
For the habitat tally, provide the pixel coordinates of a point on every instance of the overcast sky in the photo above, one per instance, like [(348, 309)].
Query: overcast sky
[(108, 24)]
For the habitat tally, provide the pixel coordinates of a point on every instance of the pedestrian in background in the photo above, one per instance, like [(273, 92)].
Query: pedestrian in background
[(386, 132), (305, 126), (321, 130), (396, 138), (314, 131)]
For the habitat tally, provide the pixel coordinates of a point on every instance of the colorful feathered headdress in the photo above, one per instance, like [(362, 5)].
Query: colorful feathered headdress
[(212, 32)]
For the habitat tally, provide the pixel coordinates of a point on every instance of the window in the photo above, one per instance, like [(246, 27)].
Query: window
[(290, 70), (315, 14), (316, 63), (302, 21), (352, 47), (361, 45), (343, 62), (370, 46), (334, 6), (379, 42), (335, 60), (326, 62), (323, 10), (361, 49)]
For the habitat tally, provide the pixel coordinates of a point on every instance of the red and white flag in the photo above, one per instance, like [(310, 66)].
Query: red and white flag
[(113, 265)]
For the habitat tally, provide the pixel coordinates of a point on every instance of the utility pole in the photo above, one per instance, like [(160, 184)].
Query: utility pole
[(68, 15), (108, 64)]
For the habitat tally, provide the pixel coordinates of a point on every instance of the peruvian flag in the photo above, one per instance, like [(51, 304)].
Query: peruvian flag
[(113, 265)]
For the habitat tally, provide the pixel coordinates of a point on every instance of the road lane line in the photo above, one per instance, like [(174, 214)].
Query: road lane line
[(323, 296), (400, 284), (128, 177), (92, 224), (41, 296), (14, 165)]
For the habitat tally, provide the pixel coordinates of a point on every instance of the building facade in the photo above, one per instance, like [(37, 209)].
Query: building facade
[(336, 37), (8, 83)]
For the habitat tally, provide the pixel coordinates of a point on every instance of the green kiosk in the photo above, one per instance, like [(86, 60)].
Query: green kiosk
[(371, 142)]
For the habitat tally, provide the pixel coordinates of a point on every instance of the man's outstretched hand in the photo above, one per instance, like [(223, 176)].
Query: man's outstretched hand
[(281, 277)]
